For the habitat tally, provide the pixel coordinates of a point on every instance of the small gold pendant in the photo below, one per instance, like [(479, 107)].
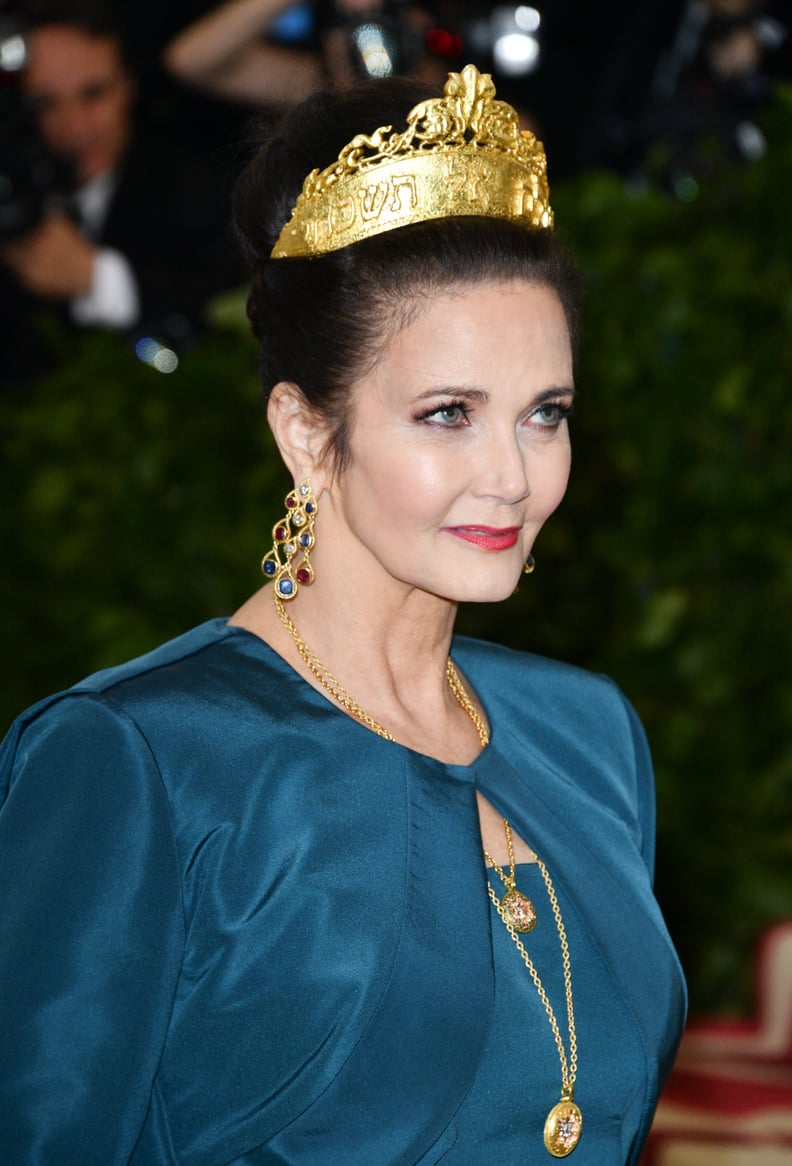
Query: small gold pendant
[(562, 1128), (518, 910)]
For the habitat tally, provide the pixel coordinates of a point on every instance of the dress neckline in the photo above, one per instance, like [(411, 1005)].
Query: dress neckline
[(452, 767)]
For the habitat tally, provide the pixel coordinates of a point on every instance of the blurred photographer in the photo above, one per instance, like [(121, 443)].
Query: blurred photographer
[(81, 92), (136, 235), (268, 52)]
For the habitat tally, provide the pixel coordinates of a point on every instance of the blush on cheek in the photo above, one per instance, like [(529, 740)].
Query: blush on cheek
[(556, 492)]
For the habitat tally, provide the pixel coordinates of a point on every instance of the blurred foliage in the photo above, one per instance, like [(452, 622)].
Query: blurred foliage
[(137, 504)]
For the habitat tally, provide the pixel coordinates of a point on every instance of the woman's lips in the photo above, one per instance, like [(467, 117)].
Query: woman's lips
[(490, 538)]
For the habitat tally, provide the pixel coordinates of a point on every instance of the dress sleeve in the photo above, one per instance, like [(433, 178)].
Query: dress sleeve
[(644, 786), (91, 934)]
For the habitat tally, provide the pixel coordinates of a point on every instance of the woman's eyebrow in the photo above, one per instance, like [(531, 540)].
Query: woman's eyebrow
[(457, 391), (481, 396), (555, 392)]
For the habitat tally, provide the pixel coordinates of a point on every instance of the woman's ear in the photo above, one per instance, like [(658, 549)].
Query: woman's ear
[(300, 432)]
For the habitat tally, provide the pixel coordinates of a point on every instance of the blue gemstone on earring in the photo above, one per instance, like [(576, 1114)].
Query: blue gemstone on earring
[(269, 567), (286, 587), (304, 540), (309, 507)]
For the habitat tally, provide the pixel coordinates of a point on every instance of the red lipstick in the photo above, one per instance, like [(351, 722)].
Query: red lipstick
[(489, 538)]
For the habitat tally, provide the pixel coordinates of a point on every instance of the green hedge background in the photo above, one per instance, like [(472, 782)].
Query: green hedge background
[(136, 504)]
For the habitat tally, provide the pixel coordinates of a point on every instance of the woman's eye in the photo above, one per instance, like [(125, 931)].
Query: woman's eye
[(551, 415), (447, 416)]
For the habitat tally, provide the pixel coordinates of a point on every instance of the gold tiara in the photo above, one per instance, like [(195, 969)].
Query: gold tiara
[(461, 154)]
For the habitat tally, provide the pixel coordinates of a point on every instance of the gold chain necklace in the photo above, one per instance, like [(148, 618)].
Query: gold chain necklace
[(564, 1121), (339, 693)]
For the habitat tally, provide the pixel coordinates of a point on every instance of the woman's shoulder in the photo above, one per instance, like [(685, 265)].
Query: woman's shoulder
[(547, 681), (189, 662), (568, 719), (196, 680), (183, 654)]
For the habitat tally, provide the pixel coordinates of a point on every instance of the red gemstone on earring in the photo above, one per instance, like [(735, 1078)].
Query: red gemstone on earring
[(291, 502), (281, 532), (303, 576)]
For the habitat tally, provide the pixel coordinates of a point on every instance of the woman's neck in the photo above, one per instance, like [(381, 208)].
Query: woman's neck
[(387, 646), (384, 640)]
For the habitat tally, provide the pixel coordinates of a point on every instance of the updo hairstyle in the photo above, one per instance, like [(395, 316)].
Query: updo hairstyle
[(322, 322)]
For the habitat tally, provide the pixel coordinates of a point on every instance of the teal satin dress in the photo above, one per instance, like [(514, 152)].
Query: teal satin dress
[(239, 929)]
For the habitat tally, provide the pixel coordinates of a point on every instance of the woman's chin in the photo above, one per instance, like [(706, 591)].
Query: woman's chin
[(486, 591)]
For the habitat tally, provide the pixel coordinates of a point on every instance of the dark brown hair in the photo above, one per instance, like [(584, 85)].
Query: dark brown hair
[(98, 19), (322, 322)]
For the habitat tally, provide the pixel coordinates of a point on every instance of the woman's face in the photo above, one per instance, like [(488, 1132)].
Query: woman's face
[(459, 442)]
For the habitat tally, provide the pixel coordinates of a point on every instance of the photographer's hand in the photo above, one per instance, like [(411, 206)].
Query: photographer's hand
[(223, 52), (54, 260)]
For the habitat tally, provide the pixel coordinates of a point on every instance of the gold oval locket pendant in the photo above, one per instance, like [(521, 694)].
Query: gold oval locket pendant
[(562, 1129), (518, 910)]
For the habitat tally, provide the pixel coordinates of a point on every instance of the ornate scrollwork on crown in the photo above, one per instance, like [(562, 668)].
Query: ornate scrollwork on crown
[(468, 115)]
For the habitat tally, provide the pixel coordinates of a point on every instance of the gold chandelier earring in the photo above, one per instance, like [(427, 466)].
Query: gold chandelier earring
[(288, 564)]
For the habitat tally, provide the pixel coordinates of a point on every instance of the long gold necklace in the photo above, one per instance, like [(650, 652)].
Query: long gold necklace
[(339, 693), (564, 1121)]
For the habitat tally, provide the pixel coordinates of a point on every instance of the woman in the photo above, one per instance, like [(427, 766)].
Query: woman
[(316, 884)]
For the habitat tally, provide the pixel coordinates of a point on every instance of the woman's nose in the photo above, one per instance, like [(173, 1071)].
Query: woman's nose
[(505, 471)]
